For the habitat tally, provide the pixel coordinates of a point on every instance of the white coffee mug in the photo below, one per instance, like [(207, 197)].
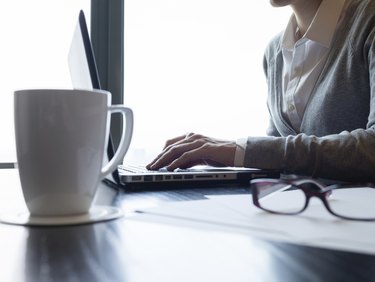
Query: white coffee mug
[(61, 141)]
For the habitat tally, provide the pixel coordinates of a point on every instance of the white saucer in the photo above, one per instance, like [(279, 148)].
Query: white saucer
[(96, 214)]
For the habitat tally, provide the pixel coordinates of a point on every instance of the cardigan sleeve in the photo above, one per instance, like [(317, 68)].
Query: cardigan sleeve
[(347, 155)]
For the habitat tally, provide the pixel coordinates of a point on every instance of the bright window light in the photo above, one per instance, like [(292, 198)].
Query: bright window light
[(33, 53), (196, 66)]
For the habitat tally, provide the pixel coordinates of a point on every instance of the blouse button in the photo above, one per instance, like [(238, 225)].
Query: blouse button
[(291, 108)]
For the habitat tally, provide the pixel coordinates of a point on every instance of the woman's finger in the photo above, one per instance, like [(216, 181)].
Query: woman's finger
[(173, 152)]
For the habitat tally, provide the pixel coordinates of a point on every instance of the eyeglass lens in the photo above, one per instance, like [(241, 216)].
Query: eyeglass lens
[(355, 203), (280, 201)]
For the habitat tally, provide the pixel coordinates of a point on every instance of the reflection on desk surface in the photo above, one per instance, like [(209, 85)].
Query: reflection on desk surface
[(138, 248)]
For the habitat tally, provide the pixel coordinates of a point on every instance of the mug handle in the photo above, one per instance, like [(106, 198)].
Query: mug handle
[(126, 137)]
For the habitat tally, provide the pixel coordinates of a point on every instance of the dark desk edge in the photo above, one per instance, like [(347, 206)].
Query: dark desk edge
[(8, 165)]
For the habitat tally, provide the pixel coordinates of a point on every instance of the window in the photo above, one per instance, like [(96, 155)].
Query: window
[(33, 52), (196, 66), (189, 65)]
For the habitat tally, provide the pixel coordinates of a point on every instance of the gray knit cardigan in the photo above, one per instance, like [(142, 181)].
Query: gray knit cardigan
[(337, 136)]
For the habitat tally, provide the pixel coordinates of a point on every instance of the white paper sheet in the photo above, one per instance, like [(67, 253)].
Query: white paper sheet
[(314, 227)]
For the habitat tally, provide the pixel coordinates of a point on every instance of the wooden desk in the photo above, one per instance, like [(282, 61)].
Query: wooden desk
[(134, 250)]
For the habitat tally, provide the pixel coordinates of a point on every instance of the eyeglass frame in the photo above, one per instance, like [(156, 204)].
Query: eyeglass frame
[(323, 192)]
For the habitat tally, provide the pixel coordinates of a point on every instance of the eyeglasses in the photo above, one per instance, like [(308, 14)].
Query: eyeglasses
[(344, 203)]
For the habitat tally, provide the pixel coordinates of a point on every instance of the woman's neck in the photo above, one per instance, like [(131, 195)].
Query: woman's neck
[(304, 12)]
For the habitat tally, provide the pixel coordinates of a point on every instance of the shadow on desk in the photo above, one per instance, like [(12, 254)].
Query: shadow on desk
[(133, 250), (80, 253), (154, 186), (126, 250)]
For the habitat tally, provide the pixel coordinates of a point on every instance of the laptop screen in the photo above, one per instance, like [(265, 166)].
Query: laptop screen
[(82, 66), (83, 70)]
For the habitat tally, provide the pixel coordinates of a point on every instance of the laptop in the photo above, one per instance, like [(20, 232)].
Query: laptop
[(84, 75)]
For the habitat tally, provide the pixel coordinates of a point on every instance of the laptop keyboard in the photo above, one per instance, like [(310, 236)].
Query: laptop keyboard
[(139, 169), (135, 169)]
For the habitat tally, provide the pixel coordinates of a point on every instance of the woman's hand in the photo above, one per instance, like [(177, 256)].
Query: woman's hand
[(194, 149)]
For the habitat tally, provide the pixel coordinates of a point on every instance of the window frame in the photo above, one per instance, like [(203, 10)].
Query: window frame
[(107, 36)]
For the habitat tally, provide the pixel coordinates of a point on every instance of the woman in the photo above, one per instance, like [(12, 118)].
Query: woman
[(321, 98)]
